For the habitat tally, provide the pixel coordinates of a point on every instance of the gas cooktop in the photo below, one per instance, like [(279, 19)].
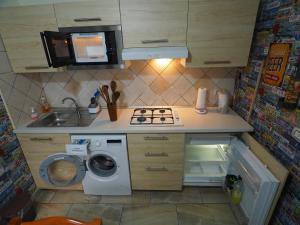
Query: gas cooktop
[(155, 116)]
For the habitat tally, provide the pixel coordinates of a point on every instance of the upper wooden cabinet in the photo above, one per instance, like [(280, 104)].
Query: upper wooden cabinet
[(220, 32), (154, 23), (88, 13), (20, 29)]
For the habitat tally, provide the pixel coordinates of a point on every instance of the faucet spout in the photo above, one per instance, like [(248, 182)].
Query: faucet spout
[(75, 103)]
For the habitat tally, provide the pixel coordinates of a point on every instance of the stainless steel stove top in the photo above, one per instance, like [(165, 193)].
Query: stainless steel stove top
[(155, 116)]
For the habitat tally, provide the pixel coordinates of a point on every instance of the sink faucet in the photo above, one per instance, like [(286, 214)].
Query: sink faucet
[(75, 103)]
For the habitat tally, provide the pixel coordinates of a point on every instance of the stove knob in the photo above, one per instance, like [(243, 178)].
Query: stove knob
[(98, 143)]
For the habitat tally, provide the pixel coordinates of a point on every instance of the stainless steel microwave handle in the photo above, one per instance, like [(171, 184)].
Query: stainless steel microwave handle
[(36, 67), (155, 41), (217, 62), (87, 19)]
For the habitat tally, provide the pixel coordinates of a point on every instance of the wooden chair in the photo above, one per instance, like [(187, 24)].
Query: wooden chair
[(56, 220)]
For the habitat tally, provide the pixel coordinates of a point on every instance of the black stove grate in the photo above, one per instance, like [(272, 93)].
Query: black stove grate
[(146, 116)]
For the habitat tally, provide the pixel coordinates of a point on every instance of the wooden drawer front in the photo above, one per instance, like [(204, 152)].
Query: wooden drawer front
[(154, 23), (152, 176), (26, 21), (220, 32), (46, 143), (156, 139), (164, 153), (88, 13)]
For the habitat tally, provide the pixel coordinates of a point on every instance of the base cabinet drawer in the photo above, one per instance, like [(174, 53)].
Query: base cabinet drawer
[(156, 176), (156, 161)]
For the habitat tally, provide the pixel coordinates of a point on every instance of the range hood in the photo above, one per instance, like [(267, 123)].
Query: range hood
[(154, 53)]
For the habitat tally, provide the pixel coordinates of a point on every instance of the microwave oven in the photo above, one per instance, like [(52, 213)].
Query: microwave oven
[(83, 46)]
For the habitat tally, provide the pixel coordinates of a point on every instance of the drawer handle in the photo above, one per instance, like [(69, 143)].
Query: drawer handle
[(155, 41), (41, 139), (36, 67), (159, 169), (156, 138), (87, 19), (217, 62), (151, 154)]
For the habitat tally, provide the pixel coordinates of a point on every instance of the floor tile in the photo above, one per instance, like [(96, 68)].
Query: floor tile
[(205, 214), (137, 197), (74, 197), (49, 209), (160, 214), (214, 195), (110, 214), (188, 195), (44, 196)]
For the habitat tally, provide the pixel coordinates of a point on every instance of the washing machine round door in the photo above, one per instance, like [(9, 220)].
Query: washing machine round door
[(102, 165), (62, 170)]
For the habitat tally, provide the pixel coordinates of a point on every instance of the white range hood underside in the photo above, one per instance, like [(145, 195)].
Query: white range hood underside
[(154, 53)]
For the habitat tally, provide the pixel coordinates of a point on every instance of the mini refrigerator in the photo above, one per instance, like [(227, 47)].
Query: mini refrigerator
[(209, 158)]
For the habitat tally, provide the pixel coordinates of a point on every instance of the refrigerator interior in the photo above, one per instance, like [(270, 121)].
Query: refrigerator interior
[(208, 160), (205, 165)]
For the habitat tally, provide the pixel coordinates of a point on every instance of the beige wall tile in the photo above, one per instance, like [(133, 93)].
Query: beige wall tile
[(159, 85), (148, 74), (171, 74), (22, 83), (137, 66), (4, 63), (2, 49)]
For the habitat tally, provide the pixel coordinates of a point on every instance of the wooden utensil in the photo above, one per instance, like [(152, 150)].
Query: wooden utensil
[(115, 96), (105, 92), (113, 86), (102, 94)]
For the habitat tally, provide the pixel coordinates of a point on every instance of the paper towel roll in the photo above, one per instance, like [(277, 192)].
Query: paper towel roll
[(201, 98)]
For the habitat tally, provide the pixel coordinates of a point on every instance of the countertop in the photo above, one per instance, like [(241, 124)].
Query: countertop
[(212, 122)]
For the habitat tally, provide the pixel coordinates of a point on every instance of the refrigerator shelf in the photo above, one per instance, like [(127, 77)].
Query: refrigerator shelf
[(205, 153)]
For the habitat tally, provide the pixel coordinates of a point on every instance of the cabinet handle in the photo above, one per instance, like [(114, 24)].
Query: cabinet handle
[(155, 41), (41, 139), (151, 154), (163, 138), (158, 169), (217, 62), (87, 19), (36, 67)]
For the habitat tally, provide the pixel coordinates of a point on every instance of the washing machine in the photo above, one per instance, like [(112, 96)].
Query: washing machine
[(107, 167), (99, 162)]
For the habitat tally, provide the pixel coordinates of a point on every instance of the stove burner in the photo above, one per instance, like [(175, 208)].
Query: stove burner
[(141, 119), (143, 111), (162, 119), (162, 111)]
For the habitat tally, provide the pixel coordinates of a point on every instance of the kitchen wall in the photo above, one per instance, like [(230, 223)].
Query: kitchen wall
[(273, 121), (20, 92), (154, 82), (15, 176)]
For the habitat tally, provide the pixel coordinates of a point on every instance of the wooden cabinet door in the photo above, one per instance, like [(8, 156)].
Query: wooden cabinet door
[(220, 32), (156, 161), (154, 23), (88, 13), (20, 29), (37, 147)]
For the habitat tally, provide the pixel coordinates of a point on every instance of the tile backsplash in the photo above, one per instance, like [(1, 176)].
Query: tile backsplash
[(143, 83), (153, 82)]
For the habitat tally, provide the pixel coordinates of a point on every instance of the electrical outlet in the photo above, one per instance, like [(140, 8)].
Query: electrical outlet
[(296, 133)]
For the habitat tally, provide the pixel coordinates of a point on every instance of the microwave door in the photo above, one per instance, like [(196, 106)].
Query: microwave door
[(58, 48)]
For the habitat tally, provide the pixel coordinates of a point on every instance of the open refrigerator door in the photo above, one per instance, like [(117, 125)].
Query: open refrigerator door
[(258, 184)]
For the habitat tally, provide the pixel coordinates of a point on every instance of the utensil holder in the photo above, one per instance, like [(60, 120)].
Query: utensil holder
[(112, 111)]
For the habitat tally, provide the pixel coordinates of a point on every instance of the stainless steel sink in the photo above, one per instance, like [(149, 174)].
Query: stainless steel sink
[(65, 118)]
